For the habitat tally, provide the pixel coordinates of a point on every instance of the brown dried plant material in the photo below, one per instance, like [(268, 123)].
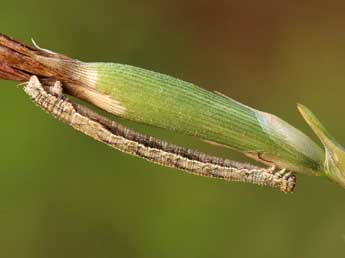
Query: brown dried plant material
[(18, 62)]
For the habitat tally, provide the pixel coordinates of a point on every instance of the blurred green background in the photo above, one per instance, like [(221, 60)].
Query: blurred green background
[(65, 195)]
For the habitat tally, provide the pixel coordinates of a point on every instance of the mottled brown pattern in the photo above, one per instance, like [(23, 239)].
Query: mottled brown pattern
[(154, 150)]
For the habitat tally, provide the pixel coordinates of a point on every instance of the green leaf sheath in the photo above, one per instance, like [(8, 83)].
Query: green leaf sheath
[(163, 101)]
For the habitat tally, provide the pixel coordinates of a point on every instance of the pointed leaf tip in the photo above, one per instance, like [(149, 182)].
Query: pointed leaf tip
[(315, 124), (334, 153)]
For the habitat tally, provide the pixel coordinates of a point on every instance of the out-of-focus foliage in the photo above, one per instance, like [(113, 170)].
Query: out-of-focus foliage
[(65, 195)]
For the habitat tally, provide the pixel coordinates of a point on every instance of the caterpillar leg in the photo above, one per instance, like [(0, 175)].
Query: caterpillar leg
[(56, 89)]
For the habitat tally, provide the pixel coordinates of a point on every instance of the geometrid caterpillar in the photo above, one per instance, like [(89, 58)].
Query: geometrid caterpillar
[(81, 118)]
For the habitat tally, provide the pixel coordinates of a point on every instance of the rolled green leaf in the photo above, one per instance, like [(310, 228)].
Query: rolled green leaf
[(163, 101)]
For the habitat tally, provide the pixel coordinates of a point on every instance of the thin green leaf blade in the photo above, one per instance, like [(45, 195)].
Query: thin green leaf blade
[(334, 164)]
